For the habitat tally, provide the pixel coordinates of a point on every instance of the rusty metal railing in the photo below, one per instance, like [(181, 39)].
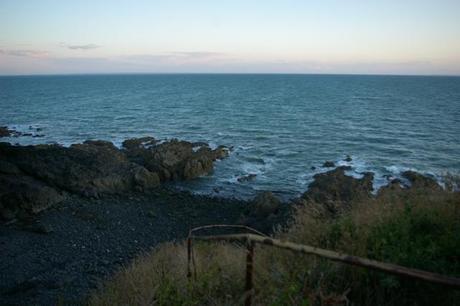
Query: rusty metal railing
[(252, 239)]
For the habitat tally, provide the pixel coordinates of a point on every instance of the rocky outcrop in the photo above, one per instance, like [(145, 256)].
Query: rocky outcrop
[(335, 185), (135, 144), (34, 178), (333, 192), (264, 204), (262, 211), (21, 195), (175, 160), (88, 169), (328, 164), (7, 132), (418, 180), (4, 132), (246, 178)]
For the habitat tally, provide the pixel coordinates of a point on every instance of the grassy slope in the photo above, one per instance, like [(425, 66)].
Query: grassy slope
[(415, 228)]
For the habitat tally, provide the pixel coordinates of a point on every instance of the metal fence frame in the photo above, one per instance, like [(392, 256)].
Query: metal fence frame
[(251, 240)]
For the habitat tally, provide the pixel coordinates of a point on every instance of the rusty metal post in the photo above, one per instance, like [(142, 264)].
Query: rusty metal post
[(189, 257), (249, 288)]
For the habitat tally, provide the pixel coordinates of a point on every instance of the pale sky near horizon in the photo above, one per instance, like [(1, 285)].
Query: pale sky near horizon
[(290, 36)]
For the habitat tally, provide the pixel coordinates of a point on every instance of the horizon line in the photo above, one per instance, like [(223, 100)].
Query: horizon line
[(226, 73)]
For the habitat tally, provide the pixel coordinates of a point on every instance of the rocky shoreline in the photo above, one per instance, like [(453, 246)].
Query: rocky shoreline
[(72, 216), (34, 178)]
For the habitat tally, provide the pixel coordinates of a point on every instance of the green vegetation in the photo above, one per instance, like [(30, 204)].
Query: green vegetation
[(416, 228)]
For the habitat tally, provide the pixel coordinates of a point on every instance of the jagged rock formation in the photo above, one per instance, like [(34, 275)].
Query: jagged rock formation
[(335, 185), (33, 178)]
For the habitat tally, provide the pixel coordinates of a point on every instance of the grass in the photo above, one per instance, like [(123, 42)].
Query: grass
[(415, 228)]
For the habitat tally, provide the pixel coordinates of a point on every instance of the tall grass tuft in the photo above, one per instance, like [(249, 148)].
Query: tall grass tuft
[(415, 228)]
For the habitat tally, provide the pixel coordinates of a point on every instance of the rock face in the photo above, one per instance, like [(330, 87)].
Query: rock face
[(175, 160), (328, 164), (265, 204), (4, 132), (262, 211), (21, 194), (336, 186), (33, 178), (418, 180), (88, 169)]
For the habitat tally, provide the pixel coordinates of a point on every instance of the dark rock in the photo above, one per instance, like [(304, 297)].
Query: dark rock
[(176, 160), (246, 178), (146, 179), (418, 180), (200, 144), (263, 212), (4, 132), (151, 214), (21, 194), (221, 152), (97, 143), (335, 186), (264, 204), (138, 143), (328, 164), (38, 228), (394, 186), (200, 163), (8, 168), (33, 178), (313, 168), (348, 158)]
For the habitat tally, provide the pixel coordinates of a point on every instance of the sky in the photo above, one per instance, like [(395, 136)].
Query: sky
[(204, 36)]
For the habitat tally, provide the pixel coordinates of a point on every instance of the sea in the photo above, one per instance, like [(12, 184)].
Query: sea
[(280, 128)]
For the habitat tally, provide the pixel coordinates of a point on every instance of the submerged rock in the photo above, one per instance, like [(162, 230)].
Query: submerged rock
[(328, 164), (246, 178), (4, 132)]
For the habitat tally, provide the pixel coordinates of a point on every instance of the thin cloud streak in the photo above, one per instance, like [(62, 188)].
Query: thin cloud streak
[(81, 47), (174, 56), (25, 52), (206, 62)]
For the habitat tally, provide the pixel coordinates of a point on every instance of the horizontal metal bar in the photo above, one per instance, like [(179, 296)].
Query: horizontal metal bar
[(212, 226), (335, 256)]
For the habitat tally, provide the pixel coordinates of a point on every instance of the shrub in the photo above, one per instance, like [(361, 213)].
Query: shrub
[(414, 228)]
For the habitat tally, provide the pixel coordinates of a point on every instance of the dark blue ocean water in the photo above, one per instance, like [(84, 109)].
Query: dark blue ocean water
[(279, 125)]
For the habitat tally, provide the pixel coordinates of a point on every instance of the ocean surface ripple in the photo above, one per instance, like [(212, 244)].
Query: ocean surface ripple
[(281, 127)]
